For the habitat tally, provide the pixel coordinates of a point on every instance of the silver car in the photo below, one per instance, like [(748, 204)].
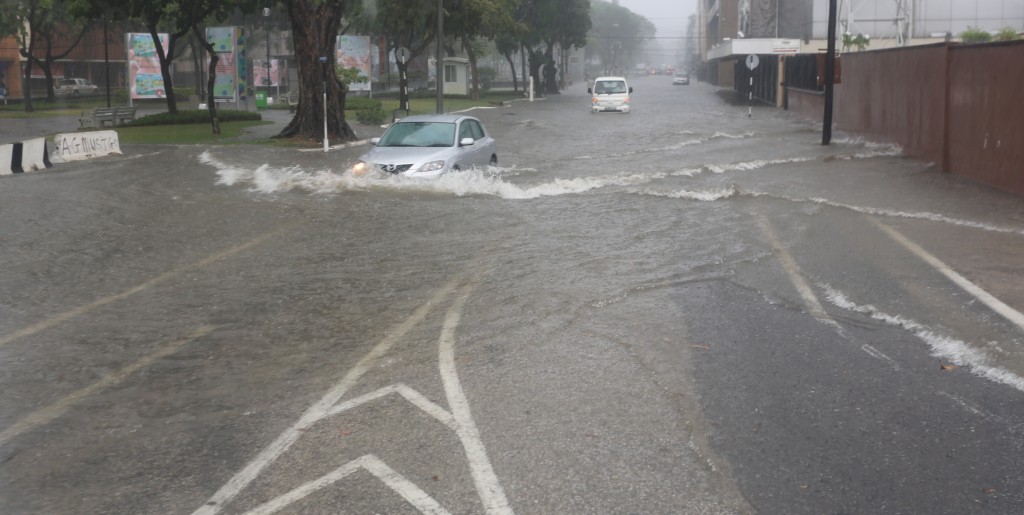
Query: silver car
[(427, 146)]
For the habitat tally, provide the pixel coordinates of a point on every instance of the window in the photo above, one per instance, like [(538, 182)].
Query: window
[(451, 74)]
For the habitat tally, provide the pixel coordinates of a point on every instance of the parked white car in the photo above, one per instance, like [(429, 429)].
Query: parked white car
[(76, 87)]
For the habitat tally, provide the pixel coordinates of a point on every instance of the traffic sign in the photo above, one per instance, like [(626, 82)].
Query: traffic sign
[(402, 54), (752, 61)]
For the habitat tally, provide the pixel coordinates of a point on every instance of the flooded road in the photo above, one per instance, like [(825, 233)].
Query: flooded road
[(677, 310)]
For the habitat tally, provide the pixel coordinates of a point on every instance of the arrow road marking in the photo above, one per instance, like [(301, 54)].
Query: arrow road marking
[(370, 463)]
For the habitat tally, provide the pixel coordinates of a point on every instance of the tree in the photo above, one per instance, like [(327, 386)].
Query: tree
[(617, 34), (469, 20), (407, 25), (551, 22), (315, 28), (50, 24)]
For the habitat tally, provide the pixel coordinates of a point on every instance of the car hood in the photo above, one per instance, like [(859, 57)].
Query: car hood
[(406, 155)]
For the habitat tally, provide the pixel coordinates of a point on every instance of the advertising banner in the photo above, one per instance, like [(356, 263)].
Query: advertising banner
[(260, 75), (144, 77), (355, 52), (232, 71)]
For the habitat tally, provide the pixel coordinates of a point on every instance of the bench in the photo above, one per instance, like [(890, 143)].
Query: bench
[(293, 100), (101, 116)]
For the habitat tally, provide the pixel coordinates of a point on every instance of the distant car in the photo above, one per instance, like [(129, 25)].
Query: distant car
[(427, 146), (681, 79), (609, 94), (76, 87)]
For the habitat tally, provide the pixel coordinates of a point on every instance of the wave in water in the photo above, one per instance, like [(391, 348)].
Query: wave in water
[(948, 348)]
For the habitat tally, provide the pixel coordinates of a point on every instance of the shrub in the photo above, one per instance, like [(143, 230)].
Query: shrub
[(357, 103), (975, 35), (1007, 34), (374, 116), (194, 116)]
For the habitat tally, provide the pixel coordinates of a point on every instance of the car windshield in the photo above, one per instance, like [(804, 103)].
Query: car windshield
[(419, 134), (606, 87)]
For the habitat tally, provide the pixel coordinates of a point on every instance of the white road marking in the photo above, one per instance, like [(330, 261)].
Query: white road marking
[(416, 398), (409, 491), (487, 485), (811, 301), (985, 297), (51, 412), (793, 271), (321, 407), (81, 310), (877, 354)]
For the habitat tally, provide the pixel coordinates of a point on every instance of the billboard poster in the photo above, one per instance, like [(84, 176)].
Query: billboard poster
[(222, 38), (355, 52), (260, 75), (224, 82), (232, 71), (144, 77)]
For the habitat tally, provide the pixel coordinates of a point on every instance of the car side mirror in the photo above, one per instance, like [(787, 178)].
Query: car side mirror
[(631, 89), (374, 141), (465, 142), (590, 90)]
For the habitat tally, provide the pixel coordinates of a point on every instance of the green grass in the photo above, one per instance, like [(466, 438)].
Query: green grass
[(188, 134)]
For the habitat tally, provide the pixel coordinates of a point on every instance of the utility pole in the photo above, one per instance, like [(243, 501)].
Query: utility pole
[(830, 74), (440, 58)]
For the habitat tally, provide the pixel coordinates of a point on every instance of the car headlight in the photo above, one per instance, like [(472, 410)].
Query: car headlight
[(360, 168), (432, 166)]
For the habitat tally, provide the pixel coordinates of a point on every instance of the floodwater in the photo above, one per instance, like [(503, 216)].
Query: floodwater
[(678, 310)]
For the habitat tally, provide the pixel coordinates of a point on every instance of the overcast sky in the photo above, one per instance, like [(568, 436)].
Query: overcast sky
[(669, 16)]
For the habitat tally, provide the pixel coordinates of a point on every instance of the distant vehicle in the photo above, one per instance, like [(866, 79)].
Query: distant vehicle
[(610, 94), (76, 87), (681, 79), (426, 147)]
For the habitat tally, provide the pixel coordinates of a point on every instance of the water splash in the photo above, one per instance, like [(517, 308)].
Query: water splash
[(954, 350)]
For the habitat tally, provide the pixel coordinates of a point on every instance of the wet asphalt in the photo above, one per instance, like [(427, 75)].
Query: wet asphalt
[(679, 310)]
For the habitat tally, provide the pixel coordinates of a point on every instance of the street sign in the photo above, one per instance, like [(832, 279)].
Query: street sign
[(402, 54), (752, 61)]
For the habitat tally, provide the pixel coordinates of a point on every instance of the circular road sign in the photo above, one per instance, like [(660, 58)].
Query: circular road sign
[(402, 54), (752, 61)]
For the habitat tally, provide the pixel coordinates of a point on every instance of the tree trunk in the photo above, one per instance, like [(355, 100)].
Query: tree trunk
[(512, 66), (26, 79), (315, 26), (165, 66), (468, 46)]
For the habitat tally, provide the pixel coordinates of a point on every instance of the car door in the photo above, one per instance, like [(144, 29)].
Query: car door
[(468, 155), (483, 146)]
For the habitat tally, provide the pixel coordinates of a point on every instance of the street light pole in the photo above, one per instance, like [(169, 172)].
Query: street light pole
[(440, 60), (266, 25)]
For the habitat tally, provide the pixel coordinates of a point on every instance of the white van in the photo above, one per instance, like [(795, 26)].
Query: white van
[(610, 94)]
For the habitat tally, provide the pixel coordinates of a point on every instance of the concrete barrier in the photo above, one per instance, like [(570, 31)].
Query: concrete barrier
[(85, 145), (29, 156), (6, 159)]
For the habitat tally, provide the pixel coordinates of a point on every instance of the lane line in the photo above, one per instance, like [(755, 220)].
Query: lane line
[(1014, 316), (793, 271), (98, 303), (486, 481), (323, 406), (402, 486), (811, 301), (49, 413)]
